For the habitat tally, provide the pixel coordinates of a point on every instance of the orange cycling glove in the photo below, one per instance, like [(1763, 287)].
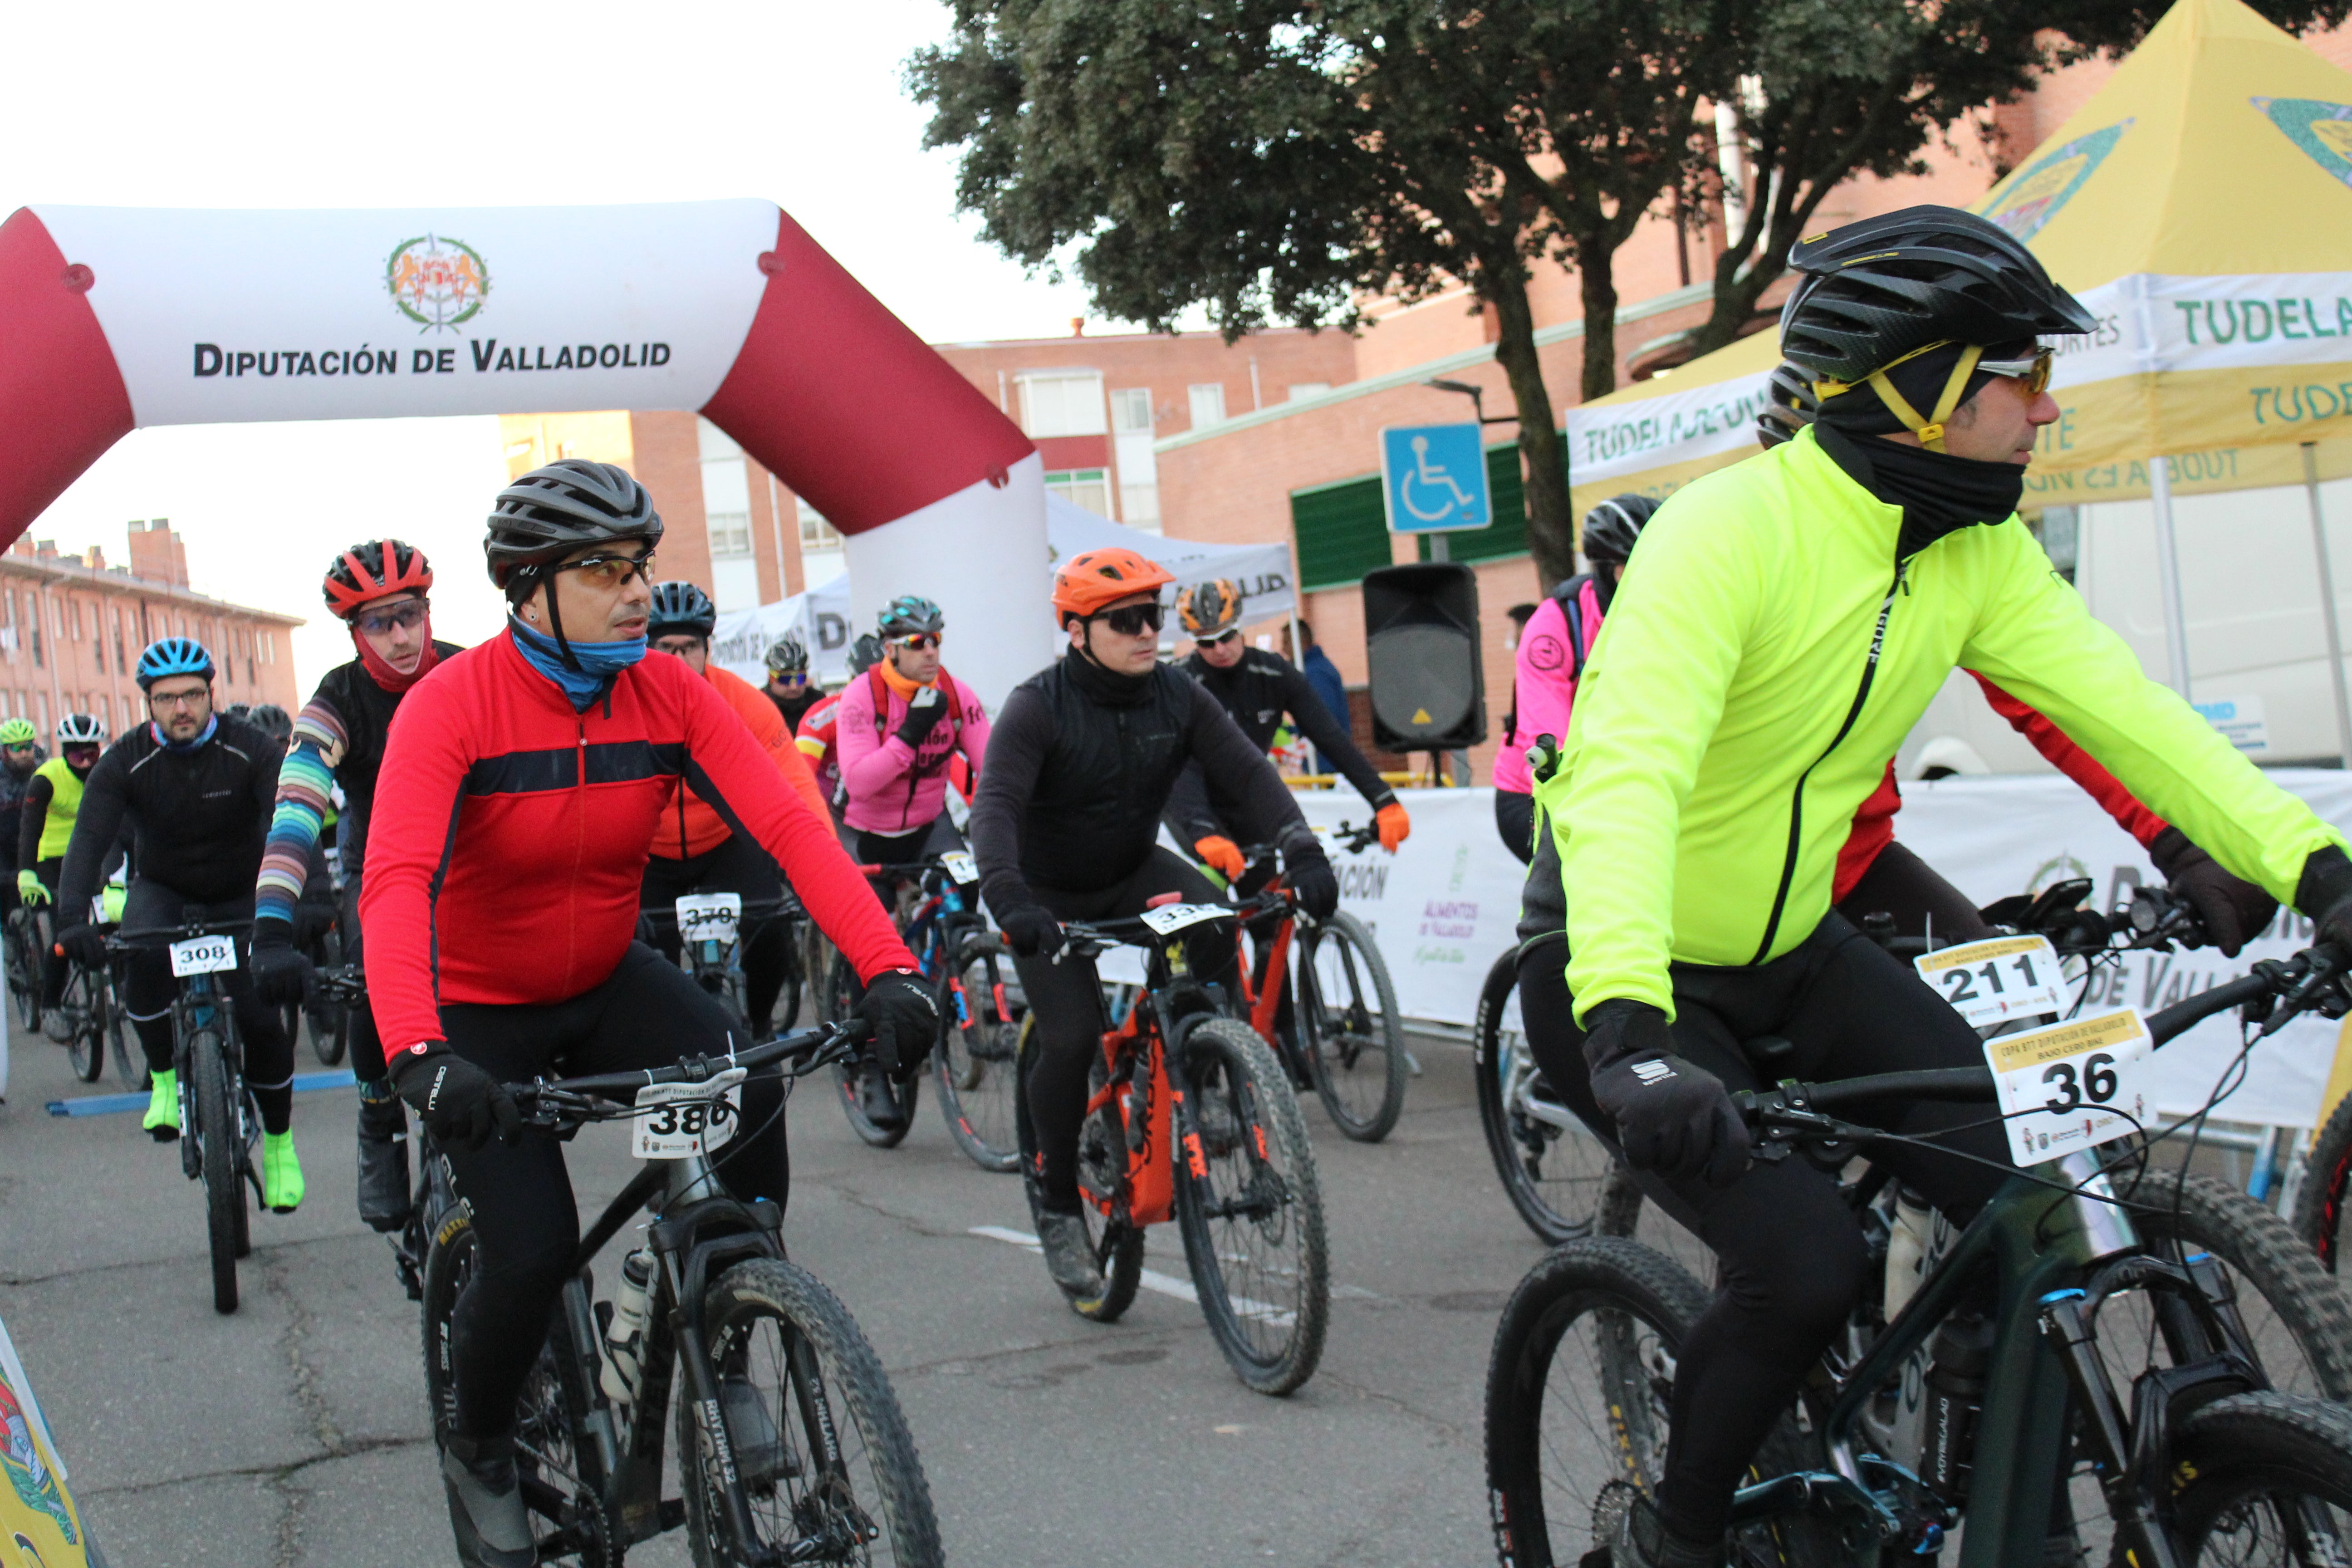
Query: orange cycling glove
[(1221, 856), (1394, 824)]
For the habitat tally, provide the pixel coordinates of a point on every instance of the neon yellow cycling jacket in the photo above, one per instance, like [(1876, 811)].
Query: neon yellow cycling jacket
[(1763, 658)]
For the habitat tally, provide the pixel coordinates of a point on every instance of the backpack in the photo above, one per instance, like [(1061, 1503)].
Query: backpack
[(947, 694)]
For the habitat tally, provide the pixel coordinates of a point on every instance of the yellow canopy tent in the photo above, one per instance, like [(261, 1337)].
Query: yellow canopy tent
[(2200, 204)]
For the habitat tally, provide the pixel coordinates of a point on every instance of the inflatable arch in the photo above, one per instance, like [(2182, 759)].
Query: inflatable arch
[(115, 317)]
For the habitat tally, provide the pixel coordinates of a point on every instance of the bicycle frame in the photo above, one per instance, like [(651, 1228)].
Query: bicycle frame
[(1136, 1054), (200, 1006)]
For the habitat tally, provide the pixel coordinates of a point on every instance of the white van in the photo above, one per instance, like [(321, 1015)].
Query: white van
[(2249, 588)]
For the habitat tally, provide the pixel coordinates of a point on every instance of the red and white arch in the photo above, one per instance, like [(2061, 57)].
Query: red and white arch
[(113, 317)]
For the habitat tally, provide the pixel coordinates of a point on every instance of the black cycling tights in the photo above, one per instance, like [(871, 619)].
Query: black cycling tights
[(148, 990), (1066, 1000), (738, 865), (648, 1013), (1790, 1252)]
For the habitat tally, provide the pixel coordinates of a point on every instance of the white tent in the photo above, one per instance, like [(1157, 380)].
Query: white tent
[(821, 619)]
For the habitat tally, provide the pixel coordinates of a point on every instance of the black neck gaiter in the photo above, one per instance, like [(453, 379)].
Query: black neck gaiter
[(1938, 494), (1107, 686)]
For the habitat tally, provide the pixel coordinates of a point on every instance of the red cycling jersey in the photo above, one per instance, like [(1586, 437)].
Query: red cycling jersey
[(511, 833)]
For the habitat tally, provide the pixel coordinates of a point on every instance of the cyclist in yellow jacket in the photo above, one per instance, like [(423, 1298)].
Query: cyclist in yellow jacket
[(47, 824), (1783, 626)]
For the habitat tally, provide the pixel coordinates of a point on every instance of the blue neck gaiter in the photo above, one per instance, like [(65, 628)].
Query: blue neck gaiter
[(202, 735), (599, 661)]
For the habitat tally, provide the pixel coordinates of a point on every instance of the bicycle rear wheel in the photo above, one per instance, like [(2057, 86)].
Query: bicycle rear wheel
[(1349, 1027), (216, 1137), (2319, 1208), (1251, 1210), (2262, 1478), (24, 932), (791, 1362), (329, 1020), (1551, 1167), (841, 992), (978, 1087), (86, 1008)]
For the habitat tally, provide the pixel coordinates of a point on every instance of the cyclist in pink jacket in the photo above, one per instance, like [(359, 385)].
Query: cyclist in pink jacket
[(900, 722)]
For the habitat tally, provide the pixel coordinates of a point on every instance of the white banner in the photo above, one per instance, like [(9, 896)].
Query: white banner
[(1677, 428), (2154, 322), (338, 314)]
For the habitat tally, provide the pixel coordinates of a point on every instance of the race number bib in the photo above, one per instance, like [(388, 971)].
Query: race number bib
[(708, 917), (202, 955), (960, 866), (2071, 1085), (1169, 919), (680, 1120), (1997, 980)]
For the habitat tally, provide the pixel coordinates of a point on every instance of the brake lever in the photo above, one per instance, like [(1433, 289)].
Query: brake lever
[(2326, 967)]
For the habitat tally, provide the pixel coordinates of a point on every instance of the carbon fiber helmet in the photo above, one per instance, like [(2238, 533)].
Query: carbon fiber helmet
[(1885, 287), (865, 654), (910, 613), (1789, 406), (1208, 609), (1611, 528), (681, 608), (787, 656), (18, 733), (81, 730), (376, 569), (167, 656), (565, 506), (271, 721)]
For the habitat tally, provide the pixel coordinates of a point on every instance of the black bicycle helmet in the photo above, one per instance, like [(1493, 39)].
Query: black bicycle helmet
[(1789, 406), (681, 608), (865, 654), (787, 656), (553, 510), (910, 613), (1611, 528), (271, 721), (1884, 288)]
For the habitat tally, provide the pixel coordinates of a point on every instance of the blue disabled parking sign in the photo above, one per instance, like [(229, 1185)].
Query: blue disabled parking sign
[(1434, 477)]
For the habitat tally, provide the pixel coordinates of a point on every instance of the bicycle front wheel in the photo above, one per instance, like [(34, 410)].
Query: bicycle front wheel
[(2319, 1209), (86, 1008), (130, 1055), (978, 1088), (218, 1145), (820, 1448), (1349, 1027), (24, 967), (2262, 1478), (1251, 1210)]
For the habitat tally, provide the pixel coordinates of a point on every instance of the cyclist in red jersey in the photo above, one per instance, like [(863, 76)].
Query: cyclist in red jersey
[(520, 789)]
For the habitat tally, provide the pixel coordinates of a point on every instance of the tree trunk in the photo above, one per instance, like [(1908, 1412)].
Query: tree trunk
[(1734, 301), (1596, 277), (1543, 454)]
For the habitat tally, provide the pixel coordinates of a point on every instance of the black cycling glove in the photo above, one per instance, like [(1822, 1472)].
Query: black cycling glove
[(280, 973), (1312, 878), (926, 709), (85, 944), (458, 1101), (1031, 933), (901, 1016), (311, 920), (2234, 910), (1672, 1117), (2324, 892)]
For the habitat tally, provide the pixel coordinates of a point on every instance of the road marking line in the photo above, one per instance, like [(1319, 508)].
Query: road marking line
[(1151, 1280)]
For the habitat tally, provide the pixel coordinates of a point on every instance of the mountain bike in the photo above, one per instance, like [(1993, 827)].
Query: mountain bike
[(791, 1444), (22, 942), (713, 929), (1175, 1072), (1932, 1407), (1347, 1036), (219, 1121), (938, 915)]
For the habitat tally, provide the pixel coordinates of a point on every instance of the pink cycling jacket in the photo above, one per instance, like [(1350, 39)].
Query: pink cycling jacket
[(891, 789), (1543, 685)]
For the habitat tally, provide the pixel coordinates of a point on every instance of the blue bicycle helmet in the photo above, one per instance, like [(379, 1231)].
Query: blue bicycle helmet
[(680, 608), (167, 656)]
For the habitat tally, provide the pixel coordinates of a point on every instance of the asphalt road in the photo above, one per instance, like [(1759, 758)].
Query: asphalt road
[(294, 1432)]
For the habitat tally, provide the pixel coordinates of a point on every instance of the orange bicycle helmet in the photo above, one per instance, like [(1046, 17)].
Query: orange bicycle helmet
[(1093, 578), (1210, 609)]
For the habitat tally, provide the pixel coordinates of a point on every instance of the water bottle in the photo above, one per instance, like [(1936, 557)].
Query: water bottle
[(1906, 1249), (1956, 1385), (625, 1336)]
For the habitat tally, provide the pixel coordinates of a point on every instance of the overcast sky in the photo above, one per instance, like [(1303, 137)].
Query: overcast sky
[(482, 104)]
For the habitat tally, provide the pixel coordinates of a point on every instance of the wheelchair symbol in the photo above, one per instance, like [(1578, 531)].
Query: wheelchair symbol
[(1430, 475)]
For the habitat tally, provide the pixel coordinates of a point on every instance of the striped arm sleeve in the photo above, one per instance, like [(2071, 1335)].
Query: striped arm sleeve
[(304, 781)]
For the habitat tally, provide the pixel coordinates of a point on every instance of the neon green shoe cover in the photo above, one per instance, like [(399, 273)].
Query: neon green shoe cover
[(162, 1120), (281, 1172)]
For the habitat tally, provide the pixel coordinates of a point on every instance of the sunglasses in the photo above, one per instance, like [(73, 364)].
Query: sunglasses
[(1214, 639), (612, 571), (791, 677), (2032, 375), (1133, 620), (375, 622), (916, 641), (81, 753)]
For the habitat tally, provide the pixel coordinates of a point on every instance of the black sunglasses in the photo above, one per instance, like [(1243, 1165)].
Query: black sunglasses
[(1134, 620)]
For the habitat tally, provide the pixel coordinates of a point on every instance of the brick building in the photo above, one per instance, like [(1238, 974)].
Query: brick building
[(71, 628)]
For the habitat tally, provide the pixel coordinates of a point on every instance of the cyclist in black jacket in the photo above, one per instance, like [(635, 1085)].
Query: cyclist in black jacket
[(196, 789), (1065, 827)]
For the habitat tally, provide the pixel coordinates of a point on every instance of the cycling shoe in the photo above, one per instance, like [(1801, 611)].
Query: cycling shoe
[(485, 1507), (1069, 1256)]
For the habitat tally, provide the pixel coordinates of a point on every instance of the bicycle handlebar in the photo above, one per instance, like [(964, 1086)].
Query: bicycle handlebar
[(158, 936), (1354, 837), (547, 1102)]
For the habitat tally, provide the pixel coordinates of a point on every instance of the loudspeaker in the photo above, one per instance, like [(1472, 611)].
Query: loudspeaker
[(1421, 649)]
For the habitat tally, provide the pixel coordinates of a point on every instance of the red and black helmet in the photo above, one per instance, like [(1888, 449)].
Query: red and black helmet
[(375, 569)]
